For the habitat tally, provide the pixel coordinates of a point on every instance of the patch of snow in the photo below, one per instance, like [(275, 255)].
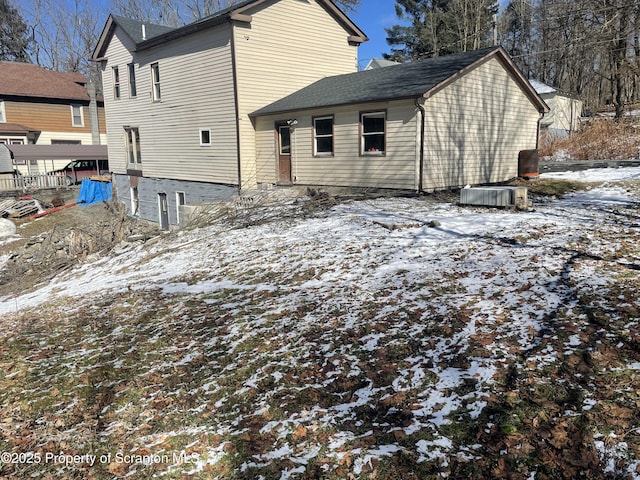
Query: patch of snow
[(597, 174)]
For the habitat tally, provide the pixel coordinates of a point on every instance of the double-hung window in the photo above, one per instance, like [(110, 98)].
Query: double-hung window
[(132, 144), (373, 133), (133, 91), (116, 82), (155, 80), (77, 119), (323, 136)]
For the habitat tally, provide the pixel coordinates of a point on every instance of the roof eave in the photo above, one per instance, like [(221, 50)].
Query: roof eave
[(239, 14), (523, 82), (183, 32), (357, 35), (103, 41), (59, 98), (502, 55), (234, 15), (257, 113)]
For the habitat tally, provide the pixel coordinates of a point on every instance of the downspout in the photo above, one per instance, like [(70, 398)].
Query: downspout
[(235, 100), (538, 132), (421, 109)]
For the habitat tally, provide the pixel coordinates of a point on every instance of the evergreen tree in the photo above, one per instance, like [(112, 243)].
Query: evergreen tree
[(433, 28), (517, 34), (14, 35)]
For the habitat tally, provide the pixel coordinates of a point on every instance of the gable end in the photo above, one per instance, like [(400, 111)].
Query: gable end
[(500, 54)]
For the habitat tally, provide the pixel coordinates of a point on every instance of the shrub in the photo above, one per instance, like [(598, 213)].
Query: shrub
[(597, 139)]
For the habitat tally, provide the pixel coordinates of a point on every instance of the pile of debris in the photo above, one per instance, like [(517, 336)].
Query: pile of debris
[(70, 240), (22, 207)]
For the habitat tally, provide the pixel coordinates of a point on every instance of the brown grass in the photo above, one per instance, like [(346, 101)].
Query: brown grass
[(599, 139)]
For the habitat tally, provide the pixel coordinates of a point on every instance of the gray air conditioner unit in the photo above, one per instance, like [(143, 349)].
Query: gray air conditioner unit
[(495, 197)]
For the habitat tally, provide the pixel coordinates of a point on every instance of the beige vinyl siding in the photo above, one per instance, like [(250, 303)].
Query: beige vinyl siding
[(197, 93), (475, 128), (565, 112), (288, 45), (396, 169), (46, 138), (122, 111)]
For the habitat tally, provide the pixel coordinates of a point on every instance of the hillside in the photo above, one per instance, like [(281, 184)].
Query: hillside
[(389, 338)]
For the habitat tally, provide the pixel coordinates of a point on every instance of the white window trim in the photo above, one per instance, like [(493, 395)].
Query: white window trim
[(3, 116), (203, 144), (117, 84), (131, 79), (316, 136), (180, 195), (363, 135), (73, 124), (156, 93), (135, 201), (133, 150)]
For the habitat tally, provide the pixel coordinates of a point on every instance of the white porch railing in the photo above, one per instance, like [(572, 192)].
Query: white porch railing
[(31, 182)]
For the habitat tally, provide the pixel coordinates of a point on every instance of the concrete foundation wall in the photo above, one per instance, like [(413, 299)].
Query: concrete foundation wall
[(195, 193)]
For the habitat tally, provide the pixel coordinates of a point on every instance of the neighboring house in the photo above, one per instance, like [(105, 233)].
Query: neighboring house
[(565, 110), (93, 158), (267, 92), (6, 165), (178, 100), (43, 107), (379, 63), (432, 124)]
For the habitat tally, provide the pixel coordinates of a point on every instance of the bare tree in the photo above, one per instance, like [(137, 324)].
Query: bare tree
[(175, 13), (64, 33), (161, 12), (590, 48)]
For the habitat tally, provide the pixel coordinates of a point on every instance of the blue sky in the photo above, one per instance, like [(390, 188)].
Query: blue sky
[(372, 16)]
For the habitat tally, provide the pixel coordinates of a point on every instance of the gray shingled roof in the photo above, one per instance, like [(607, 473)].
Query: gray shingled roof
[(407, 80), (213, 19), (225, 11), (133, 28), (158, 34)]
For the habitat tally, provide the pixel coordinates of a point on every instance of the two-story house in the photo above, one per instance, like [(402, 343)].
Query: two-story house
[(178, 100), (44, 107), (268, 92)]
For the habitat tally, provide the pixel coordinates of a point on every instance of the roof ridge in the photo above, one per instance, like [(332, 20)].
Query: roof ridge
[(142, 22), (404, 80)]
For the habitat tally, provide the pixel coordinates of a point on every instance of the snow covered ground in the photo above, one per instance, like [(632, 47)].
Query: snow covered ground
[(383, 334)]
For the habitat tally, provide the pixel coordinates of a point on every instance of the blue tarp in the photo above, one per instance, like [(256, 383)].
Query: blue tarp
[(92, 191)]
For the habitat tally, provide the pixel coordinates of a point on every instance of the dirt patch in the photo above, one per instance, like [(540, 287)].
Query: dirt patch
[(61, 240)]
